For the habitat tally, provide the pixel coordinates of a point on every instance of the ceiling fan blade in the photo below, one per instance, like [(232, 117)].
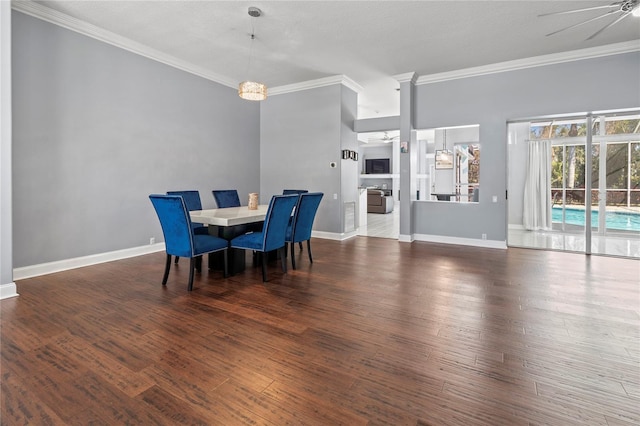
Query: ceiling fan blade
[(582, 23), (620, 18), (385, 138), (615, 4)]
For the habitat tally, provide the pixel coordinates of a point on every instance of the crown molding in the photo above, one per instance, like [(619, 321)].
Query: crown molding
[(313, 84), (406, 77), (346, 81), (52, 16), (536, 61)]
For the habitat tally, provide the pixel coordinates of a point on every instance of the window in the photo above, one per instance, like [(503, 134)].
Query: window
[(617, 137)]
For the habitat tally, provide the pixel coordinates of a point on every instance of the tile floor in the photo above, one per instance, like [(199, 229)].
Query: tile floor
[(388, 226), (612, 245), (382, 225)]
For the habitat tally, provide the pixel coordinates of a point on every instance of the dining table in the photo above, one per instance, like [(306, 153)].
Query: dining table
[(230, 216), (229, 223)]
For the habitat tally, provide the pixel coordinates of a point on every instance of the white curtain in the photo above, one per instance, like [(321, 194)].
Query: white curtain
[(537, 187)]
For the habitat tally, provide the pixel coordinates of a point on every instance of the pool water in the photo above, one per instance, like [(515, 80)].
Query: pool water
[(622, 221)]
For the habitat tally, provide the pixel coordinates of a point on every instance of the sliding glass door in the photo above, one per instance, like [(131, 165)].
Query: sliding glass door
[(594, 188), (568, 176), (616, 184)]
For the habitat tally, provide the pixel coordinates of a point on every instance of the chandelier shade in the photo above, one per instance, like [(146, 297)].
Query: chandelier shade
[(252, 91)]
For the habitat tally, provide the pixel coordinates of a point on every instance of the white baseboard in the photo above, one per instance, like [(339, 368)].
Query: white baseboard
[(461, 241), (8, 290), (516, 226), (334, 235), (66, 264), (405, 238), (78, 262)]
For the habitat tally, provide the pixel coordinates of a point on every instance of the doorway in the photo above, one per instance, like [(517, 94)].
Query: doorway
[(379, 164)]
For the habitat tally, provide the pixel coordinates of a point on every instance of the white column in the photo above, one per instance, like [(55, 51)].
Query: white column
[(7, 286), (395, 168), (408, 160), (587, 195)]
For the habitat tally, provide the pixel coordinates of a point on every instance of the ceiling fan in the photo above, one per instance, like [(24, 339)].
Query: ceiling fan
[(385, 138), (621, 9)]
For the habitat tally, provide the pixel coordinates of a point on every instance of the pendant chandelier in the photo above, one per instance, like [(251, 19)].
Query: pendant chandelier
[(252, 90)]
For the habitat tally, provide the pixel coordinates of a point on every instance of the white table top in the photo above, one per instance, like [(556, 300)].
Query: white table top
[(229, 216)]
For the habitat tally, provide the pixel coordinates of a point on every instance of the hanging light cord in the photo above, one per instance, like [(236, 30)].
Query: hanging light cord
[(253, 37)]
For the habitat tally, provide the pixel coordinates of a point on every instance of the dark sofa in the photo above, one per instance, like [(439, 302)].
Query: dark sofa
[(377, 202)]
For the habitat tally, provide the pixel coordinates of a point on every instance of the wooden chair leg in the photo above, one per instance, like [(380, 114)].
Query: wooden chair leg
[(300, 245), (198, 263), (309, 250), (264, 266), (192, 266), (167, 266), (177, 258), (293, 256), (283, 258)]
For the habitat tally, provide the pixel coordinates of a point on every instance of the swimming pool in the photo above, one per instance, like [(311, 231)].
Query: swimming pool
[(622, 221)]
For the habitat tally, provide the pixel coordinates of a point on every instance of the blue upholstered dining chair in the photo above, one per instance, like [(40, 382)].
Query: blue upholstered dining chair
[(193, 202), (179, 237), (273, 231), (293, 191), (226, 198), (300, 227)]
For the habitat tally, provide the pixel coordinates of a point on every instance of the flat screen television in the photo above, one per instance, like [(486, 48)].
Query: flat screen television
[(376, 166)]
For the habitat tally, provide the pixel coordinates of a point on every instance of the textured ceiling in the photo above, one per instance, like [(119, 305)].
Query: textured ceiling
[(368, 41)]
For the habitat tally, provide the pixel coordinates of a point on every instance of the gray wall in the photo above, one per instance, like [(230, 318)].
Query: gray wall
[(301, 133), (349, 170), (96, 129), (604, 83)]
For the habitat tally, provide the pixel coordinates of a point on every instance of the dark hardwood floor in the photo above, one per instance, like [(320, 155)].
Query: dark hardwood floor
[(373, 332)]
